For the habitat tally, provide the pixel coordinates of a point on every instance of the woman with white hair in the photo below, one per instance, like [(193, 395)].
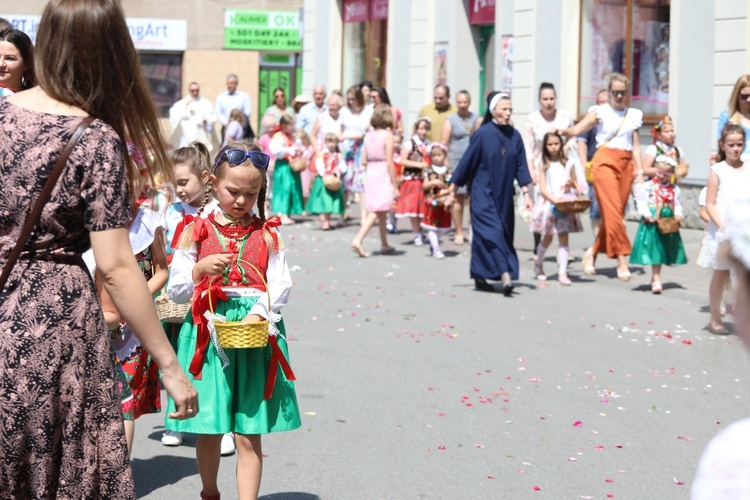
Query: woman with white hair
[(494, 159)]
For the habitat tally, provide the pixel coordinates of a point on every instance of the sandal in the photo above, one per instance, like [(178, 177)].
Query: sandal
[(459, 239), (588, 263), (656, 287), (357, 248), (623, 276), (387, 250), (210, 497), (721, 330), (564, 280)]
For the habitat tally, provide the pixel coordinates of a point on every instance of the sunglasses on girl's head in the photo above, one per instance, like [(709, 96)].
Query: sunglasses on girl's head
[(238, 156)]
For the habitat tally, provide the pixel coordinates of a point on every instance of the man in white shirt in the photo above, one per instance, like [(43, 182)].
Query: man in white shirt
[(308, 114), (192, 119), (233, 99)]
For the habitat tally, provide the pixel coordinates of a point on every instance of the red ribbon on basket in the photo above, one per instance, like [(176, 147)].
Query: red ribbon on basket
[(200, 306), (277, 358)]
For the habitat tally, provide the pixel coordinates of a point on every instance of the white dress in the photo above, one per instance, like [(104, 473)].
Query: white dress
[(733, 184), (543, 219), (724, 469)]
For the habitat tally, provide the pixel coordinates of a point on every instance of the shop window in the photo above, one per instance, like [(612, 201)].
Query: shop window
[(629, 37), (365, 41), (164, 75)]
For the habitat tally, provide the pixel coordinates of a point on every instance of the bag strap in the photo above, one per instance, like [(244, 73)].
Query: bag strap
[(616, 133), (38, 205)]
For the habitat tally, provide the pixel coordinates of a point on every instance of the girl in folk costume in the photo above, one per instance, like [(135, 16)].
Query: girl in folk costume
[(323, 199), (247, 391), (192, 170), (391, 224), (728, 181), (146, 233), (415, 159), (437, 220), (557, 182), (655, 199), (287, 184), (664, 145)]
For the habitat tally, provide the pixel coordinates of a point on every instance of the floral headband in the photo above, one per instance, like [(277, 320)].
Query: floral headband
[(666, 159), (738, 230), (657, 128), (438, 145)]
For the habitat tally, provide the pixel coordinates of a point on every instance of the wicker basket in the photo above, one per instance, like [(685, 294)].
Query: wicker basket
[(236, 335), (332, 182), (170, 311), (297, 163), (573, 206), (667, 225)]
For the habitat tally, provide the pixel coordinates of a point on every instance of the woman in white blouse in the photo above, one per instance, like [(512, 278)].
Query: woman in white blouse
[(617, 160)]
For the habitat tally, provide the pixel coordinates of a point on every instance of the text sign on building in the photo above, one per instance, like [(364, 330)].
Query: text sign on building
[(147, 34), (158, 34), (262, 30), (356, 11), (482, 12)]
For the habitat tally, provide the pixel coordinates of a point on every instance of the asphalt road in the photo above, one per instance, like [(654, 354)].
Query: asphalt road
[(413, 385)]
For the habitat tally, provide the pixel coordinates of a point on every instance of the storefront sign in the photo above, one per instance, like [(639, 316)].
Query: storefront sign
[(378, 10), (262, 30), (482, 12), (356, 11), (277, 60), (158, 34), (147, 34)]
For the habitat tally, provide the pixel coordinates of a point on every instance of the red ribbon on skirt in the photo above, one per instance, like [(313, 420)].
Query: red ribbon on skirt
[(277, 358)]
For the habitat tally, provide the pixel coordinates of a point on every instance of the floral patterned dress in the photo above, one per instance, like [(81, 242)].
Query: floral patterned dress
[(61, 432)]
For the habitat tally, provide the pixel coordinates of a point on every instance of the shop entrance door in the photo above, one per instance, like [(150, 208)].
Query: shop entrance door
[(486, 64), (276, 71)]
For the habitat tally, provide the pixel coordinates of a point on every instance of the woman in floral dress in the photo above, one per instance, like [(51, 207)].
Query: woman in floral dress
[(61, 432)]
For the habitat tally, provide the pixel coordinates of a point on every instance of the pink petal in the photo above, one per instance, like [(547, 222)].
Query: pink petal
[(577, 423), (599, 448), (684, 438), (490, 477), (609, 480), (677, 481), (537, 488), (478, 445)]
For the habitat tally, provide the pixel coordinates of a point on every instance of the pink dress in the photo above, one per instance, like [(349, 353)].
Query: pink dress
[(378, 186)]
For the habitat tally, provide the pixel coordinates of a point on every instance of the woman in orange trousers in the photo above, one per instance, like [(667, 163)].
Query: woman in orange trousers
[(616, 162)]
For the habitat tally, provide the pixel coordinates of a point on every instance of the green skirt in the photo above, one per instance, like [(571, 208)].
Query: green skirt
[(652, 248), (287, 190), (231, 398), (323, 201)]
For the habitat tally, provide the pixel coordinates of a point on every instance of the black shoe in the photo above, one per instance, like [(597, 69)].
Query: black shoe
[(508, 289), (483, 286)]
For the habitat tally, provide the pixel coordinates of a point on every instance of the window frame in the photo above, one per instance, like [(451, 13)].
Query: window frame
[(648, 119)]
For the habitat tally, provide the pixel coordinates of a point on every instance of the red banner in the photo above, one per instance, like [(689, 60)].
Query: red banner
[(378, 10), (355, 11), (482, 12)]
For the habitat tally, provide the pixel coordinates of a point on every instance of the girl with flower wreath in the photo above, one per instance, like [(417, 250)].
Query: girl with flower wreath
[(654, 199), (664, 145), (245, 391)]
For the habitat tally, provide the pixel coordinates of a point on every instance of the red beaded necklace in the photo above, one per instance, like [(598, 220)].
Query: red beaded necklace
[(235, 229)]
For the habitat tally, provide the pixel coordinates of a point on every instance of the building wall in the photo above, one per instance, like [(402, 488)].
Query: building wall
[(731, 51), (524, 57), (421, 54)]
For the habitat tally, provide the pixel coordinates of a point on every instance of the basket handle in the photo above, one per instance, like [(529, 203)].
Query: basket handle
[(257, 271)]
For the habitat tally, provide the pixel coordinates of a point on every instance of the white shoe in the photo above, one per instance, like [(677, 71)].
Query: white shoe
[(227, 445), (171, 438), (418, 241)]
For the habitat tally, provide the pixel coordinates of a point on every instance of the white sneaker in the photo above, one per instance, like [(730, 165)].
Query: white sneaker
[(227, 445), (438, 254), (418, 241), (171, 438)]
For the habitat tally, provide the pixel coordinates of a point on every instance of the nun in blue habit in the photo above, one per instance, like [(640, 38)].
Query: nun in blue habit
[(495, 158)]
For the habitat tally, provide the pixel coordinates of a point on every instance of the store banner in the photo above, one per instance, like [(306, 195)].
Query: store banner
[(482, 12), (356, 11), (262, 30), (147, 34), (158, 34), (378, 10)]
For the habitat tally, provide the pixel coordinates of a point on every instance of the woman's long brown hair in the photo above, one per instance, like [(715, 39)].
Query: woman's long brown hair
[(85, 57)]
